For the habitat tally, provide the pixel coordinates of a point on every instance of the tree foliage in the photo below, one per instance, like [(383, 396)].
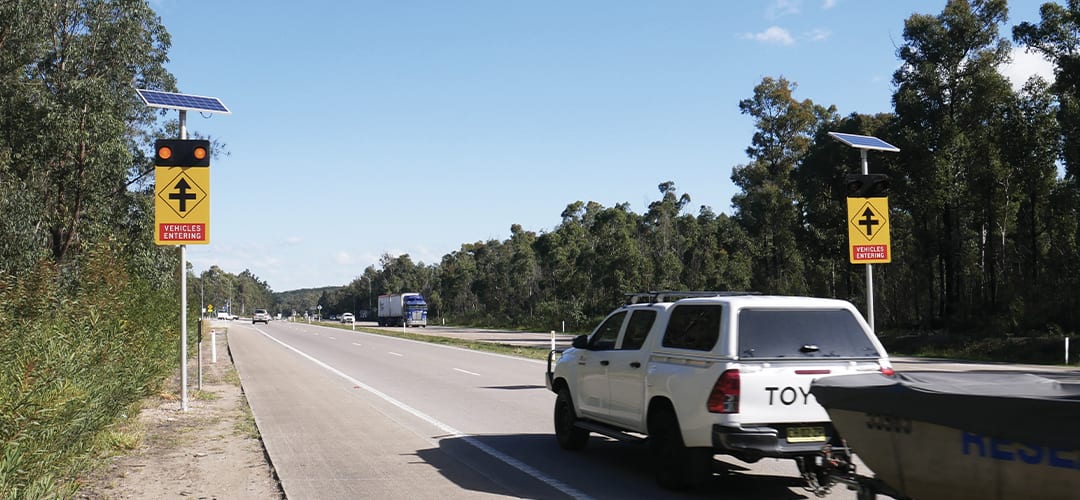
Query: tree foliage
[(72, 130)]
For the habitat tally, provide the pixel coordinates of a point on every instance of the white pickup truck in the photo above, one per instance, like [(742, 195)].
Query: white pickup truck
[(711, 373)]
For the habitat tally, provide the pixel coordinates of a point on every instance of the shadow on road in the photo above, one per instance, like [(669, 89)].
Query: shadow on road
[(538, 468)]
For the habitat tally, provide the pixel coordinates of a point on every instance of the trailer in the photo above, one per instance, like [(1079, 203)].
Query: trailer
[(956, 436), (402, 309)]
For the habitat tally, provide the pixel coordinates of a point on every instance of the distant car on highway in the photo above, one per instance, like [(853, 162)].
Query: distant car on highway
[(223, 315), (348, 318), (260, 315)]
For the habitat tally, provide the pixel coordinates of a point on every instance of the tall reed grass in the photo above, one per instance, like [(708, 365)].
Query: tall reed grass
[(75, 353)]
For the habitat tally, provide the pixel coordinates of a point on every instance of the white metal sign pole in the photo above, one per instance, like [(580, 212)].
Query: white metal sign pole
[(869, 267), (183, 298)]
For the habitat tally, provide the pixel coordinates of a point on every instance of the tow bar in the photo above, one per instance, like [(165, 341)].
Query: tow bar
[(835, 465)]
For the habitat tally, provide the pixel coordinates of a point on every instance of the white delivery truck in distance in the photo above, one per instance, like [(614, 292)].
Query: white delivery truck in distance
[(402, 309)]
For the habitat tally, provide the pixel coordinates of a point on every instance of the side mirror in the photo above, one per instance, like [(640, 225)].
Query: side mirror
[(580, 342)]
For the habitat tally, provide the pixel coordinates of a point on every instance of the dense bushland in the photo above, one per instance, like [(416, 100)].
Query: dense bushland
[(72, 360)]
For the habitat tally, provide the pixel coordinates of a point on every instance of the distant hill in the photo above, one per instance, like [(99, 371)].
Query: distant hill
[(305, 299)]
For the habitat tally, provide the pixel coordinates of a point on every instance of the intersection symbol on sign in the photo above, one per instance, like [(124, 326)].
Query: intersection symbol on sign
[(182, 194), (868, 221)]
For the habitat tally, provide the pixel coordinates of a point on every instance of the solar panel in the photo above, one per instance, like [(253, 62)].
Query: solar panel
[(864, 142), (170, 100)]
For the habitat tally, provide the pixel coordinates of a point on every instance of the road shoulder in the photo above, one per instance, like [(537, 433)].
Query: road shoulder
[(212, 450)]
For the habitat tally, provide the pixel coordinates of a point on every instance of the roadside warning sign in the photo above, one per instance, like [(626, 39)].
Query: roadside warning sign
[(868, 230), (182, 192)]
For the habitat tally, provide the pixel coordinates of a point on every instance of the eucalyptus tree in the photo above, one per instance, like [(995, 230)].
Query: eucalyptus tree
[(715, 256), (1041, 242), (664, 239), (253, 292), (492, 283), (399, 275), (71, 126), (457, 271), (567, 257), (621, 264), (950, 102), (1057, 38), (767, 207), (524, 273)]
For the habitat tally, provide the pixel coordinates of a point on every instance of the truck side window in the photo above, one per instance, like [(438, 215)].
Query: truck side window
[(637, 329), (694, 327), (605, 336)]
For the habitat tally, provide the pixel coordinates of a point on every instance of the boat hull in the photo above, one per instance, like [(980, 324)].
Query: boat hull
[(977, 435), (928, 461)]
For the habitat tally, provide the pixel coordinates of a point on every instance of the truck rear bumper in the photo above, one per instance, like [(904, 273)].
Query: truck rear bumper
[(757, 442)]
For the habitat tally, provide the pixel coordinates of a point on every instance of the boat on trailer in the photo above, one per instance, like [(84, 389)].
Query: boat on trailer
[(931, 435)]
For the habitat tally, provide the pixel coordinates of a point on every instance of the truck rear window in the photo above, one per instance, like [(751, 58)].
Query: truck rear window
[(771, 333)]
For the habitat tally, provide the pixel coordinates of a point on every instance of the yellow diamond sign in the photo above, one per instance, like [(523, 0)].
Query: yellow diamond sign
[(868, 230), (181, 205)]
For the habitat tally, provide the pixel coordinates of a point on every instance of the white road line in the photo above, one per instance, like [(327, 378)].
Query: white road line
[(467, 372), (357, 345), (392, 353), (450, 431)]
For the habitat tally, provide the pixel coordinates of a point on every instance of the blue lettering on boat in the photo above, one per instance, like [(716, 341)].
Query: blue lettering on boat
[(1009, 451)]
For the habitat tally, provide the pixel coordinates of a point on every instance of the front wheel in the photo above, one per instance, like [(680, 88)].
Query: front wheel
[(569, 435), (676, 467)]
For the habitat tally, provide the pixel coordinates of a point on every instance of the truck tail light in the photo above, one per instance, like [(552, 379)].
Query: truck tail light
[(725, 393), (887, 371)]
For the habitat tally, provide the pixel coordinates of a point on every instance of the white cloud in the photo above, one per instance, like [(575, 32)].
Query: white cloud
[(783, 8), (293, 240), (1024, 65), (773, 34), (818, 35), (343, 258), (828, 4)]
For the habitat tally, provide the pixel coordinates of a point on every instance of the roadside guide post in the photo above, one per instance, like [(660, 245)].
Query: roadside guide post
[(199, 342), (867, 213), (182, 195)]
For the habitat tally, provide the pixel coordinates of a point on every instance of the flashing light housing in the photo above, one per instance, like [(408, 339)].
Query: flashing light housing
[(182, 153)]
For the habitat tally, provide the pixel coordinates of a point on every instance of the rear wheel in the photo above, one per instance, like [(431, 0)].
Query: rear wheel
[(676, 467), (570, 436)]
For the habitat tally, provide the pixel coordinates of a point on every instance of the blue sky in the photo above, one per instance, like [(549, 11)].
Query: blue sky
[(364, 127)]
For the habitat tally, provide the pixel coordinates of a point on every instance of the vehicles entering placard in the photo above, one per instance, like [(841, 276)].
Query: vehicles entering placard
[(402, 309)]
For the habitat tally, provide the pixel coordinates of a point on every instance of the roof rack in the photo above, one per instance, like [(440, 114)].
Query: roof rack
[(671, 295)]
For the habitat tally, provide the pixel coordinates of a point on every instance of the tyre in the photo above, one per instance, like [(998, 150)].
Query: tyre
[(570, 436), (675, 466)]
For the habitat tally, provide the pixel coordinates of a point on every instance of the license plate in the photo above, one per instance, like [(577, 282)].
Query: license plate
[(805, 434)]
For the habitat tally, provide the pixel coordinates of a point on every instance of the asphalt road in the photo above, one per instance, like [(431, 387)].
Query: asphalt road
[(347, 414)]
